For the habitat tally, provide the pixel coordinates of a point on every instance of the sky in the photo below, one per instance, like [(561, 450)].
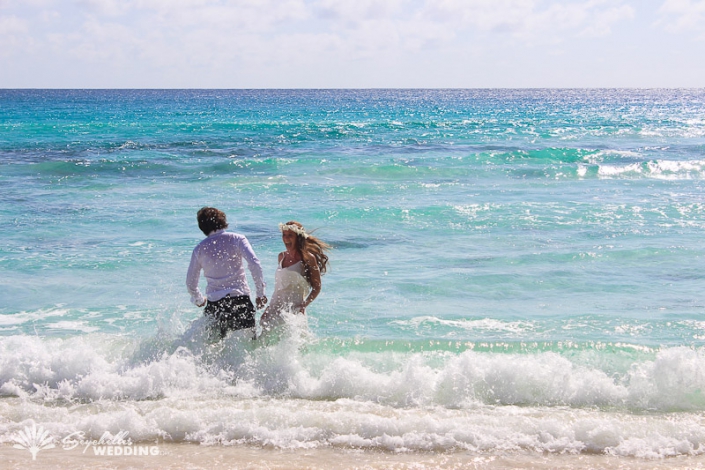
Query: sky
[(352, 43)]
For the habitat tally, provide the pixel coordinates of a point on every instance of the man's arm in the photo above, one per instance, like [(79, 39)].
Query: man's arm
[(192, 277), (255, 268)]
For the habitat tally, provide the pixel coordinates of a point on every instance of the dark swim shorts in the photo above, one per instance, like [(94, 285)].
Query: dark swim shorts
[(231, 313)]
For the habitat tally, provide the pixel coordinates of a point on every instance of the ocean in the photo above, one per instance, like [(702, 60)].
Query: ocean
[(513, 273)]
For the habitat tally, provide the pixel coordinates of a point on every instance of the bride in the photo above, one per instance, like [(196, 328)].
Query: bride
[(297, 281)]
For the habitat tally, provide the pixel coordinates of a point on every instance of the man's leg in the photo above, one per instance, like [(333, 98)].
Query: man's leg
[(219, 311), (243, 313), (232, 313)]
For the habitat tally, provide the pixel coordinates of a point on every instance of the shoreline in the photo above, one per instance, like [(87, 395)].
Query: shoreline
[(196, 457)]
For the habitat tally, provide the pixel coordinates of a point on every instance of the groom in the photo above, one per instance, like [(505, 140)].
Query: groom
[(220, 255)]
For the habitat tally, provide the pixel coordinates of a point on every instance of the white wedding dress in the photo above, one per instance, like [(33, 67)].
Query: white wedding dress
[(282, 316), (290, 289)]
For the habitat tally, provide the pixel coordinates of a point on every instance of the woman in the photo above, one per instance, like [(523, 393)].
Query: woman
[(299, 273)]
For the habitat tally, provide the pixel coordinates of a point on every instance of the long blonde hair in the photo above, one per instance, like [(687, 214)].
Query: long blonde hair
[(307, 243)]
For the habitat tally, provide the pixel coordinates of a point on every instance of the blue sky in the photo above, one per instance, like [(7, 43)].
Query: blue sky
[(351, 43)]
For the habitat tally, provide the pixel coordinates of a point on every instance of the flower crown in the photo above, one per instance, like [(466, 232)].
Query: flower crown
[(294, 228)]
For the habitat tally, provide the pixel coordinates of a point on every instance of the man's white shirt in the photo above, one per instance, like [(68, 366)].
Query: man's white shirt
[(220, 255)]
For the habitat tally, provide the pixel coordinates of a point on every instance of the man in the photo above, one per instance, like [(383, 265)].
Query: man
[(220, 255)]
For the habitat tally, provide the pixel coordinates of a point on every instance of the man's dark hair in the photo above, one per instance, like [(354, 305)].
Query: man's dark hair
[(211, 219)]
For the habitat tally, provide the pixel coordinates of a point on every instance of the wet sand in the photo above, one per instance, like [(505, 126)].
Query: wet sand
[(195, 457)]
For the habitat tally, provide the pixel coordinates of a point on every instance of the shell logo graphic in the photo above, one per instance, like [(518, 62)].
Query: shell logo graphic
[(34, 439)]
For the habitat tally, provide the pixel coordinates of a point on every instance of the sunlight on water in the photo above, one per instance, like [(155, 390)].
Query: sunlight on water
[(513, 270)]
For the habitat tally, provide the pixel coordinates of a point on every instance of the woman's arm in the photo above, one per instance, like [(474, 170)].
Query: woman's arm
[(314, 279)]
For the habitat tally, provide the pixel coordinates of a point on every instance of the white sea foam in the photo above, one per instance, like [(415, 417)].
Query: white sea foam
[(99, 367), (676, 169), (479, 325), (285, 396), (659, 169), (73, 326), (27, 317), (602, 155), (615, 170), (472, 210)]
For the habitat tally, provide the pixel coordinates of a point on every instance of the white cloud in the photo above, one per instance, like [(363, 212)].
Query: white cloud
[(604, 20), (13, 35), (252, 15), (531, 20), (105, 7), (175, 34), (229, 39), (684, 15), (12, 25), (358, 10), (488, 15), (196, 31), (49, 16)]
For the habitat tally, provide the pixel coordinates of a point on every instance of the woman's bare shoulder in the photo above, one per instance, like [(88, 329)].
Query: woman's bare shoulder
[(309, 259)]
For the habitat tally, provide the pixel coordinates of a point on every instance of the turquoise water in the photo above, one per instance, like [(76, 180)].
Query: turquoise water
[(512, 269)]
